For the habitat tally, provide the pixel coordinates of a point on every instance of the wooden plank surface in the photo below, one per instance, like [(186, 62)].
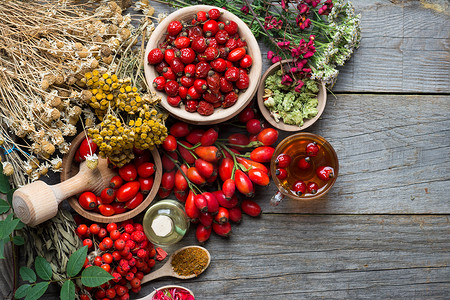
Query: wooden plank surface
[(302, 256), (382, 232), (394, 156)]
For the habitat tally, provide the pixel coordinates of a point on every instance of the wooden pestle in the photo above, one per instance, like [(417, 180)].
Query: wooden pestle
[(38, 202)]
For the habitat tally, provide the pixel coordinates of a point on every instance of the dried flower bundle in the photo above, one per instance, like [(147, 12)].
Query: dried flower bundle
[(46, 50)]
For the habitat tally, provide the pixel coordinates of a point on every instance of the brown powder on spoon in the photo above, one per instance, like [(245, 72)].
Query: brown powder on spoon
[(190, 261)]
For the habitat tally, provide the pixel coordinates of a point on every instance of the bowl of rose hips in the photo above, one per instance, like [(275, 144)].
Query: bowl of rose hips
[(304, 166), (205, 64), (126, 192)]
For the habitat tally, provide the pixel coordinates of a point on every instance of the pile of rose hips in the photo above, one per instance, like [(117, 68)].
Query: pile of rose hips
[(203, 65), (207, 173), (299, 187), (122, 250), (126, 190)]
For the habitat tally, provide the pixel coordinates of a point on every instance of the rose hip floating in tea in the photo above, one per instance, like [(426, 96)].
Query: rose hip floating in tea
[(305, 167)]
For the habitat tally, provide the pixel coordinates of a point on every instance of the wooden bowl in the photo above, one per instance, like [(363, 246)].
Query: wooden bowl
[(220, 114), (70, 168), (150, 296), (322, 97)]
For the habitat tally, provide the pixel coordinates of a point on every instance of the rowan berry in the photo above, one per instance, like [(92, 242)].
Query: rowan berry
[(111, 227), (88, 242), (82, 229), (94, 228)]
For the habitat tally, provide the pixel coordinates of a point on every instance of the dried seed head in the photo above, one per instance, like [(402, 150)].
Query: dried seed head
[(45, 84), (108, 60), (59, 44), (34, 162), (55, 114), (97, 39), (112, 29), (56, 164), (59, 79), (94, 63), (86, 96), (83, 53), (71, 80), (43, 170), (63, 93), (55, 101), (48, 148), (8, 168), (77, 46), (105, 51), (125, 33)]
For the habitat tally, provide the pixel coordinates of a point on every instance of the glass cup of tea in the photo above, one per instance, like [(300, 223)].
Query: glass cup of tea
[(304, 167)]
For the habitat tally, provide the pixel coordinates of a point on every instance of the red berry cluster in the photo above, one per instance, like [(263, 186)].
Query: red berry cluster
[(122, 250), (299, 187), (126, 190), (204, 163), (203, 65)]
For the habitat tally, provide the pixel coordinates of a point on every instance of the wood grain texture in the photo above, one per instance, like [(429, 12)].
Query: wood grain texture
[(332, 257), (298, 256), (394, 156)]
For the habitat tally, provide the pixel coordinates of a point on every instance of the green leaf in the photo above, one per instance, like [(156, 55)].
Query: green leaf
[(76, 261), (4, 182), (95, 276), (2, 249), (9, 217), (67, 291), (8, 226), (43, 268), (27, 274), (20, 225), (10, 196), (22, 291), (18, 240), (4, 206), (37, 291)]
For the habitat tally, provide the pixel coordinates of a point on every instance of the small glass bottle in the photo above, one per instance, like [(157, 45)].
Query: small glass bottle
[(165, 222)]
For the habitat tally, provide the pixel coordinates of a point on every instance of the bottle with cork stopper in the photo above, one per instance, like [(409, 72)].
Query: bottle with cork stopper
[(165, 222)]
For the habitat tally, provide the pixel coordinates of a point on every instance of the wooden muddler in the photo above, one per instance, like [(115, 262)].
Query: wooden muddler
[(38, 202)]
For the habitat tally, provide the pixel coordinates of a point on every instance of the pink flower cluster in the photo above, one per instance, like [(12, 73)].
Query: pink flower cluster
[(272, 57), (326, 8), (271, 22), (304, 49), (173, 294), (245, 9), (313, 3)]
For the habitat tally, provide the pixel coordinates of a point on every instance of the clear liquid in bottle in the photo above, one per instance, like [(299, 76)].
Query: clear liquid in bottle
[(165, 222)]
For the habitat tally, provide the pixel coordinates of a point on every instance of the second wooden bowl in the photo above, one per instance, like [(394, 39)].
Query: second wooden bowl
[(70, 168), (322, 98), (220, 114)]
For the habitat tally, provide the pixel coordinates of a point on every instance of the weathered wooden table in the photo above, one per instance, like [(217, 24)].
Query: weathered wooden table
[(383, 230)]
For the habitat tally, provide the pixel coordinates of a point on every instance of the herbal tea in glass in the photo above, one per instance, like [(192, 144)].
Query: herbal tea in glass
[(304, 166)]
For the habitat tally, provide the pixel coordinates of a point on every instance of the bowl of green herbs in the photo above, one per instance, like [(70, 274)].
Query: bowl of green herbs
[(286, 106)]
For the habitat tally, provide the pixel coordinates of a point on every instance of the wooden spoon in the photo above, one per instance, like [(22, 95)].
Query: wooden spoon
[(38, 202), (167, 271)]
